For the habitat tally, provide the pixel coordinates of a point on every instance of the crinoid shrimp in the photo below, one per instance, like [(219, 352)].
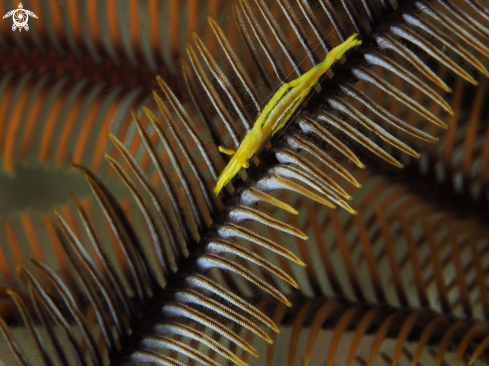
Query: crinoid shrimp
[(278, 111)]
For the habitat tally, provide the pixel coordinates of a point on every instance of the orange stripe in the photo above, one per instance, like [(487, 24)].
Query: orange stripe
[(155, 178), (370, 258), (480, 275), (74, 20), (5, 25), (112, 23), (56, 17), (339, 331), (68, 127), (323, 252), (391, 255), (85, 132), (192, 14), (13, 127), (349, 267), (435, 265), (5, 107), (154, 35), (31, 235), (298, 325), (4, 267), (327, 309), (90, 320), (49, 125), (173, 30), (134, 22), (278, 316), (381, 334), (102, 136), (30, 125), (93, 20), (12, 240), (35, 6), (460, 278), (414, 260), (471, 131), (61, 259)]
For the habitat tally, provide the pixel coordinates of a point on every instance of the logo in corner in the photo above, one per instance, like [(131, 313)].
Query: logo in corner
[(20, 17)]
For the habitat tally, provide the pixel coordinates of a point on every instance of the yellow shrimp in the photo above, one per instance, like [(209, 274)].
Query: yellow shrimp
[(277, 112)]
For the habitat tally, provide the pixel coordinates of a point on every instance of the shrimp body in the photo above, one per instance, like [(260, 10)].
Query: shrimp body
[(278, 111)]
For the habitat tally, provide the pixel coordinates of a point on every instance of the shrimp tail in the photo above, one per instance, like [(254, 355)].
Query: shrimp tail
[(227, 174)]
